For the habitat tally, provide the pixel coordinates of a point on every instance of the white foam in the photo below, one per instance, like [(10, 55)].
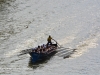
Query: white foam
[(86, 45)]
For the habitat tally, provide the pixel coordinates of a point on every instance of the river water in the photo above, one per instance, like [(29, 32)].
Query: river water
[(27, 23)]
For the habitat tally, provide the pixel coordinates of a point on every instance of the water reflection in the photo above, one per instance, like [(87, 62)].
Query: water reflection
[(4, 4), (2, 1), (40, 63)]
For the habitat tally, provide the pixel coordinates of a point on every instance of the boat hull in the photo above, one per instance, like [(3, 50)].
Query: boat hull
[(36, 57)]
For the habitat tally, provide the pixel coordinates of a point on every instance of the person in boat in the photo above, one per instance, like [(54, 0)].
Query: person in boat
[(38, 49), (49, 40)]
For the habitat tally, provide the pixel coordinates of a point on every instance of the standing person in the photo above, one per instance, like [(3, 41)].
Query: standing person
[(49, 40)]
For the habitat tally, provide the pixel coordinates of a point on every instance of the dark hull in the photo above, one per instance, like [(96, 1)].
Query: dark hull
[(36, 57)]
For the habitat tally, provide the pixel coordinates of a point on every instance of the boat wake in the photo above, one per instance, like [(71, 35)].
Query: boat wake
[(87, 44)]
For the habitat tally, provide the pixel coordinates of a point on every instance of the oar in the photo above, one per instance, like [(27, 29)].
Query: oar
[(57, 42), (66, 54), (25, 52), (64, 51)]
